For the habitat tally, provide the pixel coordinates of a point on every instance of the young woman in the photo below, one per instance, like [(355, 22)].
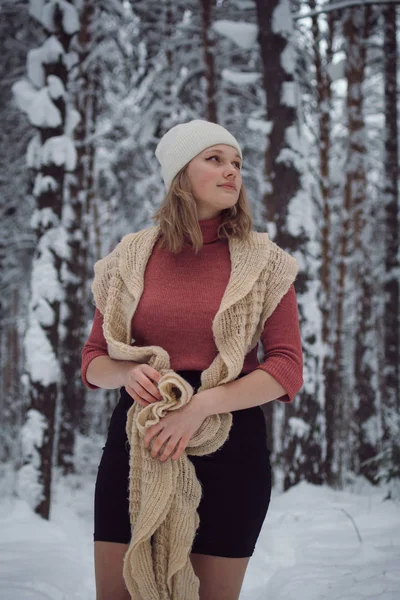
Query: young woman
[(193, 266)]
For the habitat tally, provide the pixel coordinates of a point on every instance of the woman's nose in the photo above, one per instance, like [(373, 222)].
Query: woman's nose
[(230, 170)]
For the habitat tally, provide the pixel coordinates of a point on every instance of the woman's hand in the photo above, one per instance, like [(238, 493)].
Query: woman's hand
[(138, 382), (176, 428)]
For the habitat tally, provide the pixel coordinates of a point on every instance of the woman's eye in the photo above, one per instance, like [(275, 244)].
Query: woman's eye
[(237, 164)]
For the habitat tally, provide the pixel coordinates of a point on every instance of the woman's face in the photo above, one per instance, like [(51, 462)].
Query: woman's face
[(216, 179)]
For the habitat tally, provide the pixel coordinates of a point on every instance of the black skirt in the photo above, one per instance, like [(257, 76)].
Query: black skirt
[(235, 481)]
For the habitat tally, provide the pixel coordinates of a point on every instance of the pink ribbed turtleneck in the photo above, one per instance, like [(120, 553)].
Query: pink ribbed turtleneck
[(181, 296)]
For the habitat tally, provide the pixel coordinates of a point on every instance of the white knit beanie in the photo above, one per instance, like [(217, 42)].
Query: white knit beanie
[(185, 141)]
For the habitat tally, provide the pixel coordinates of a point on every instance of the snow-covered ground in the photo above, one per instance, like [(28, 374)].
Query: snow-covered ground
[(316, 544)]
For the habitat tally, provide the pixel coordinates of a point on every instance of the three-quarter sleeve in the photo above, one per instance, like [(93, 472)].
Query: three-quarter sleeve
[(281, 341), (95, 345)]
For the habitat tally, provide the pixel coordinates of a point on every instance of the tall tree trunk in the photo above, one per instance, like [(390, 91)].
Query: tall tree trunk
[(348, 290), (77, 222), (302, 446), (44, 98), (206, 8), (324, 99), (391, 392), (364, 420)]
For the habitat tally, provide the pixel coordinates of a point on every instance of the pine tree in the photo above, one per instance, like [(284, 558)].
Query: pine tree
[(43, 97), (284, 199)]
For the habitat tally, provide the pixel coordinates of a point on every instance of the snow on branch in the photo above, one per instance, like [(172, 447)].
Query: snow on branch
[(241, 33), (240, 78), (44, 13), (49, 52), (59, 150), (259, 125), (37, 104), (282, 21), (330, 7)]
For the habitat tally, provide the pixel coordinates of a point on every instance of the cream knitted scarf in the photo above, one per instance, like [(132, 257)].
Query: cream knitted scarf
[(164, 496)]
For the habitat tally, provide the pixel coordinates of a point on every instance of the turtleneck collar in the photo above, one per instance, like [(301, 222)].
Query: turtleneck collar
[(209, 228)]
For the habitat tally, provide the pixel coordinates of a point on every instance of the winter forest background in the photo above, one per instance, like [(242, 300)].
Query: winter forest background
[(310, 91)]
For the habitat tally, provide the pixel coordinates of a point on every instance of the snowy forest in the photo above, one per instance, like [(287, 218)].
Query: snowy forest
[(309, 88)]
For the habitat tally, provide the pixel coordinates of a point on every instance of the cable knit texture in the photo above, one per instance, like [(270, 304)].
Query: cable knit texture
[(164, 496)]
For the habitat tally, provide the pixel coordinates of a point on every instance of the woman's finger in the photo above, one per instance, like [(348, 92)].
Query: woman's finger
[(143, 393), (135, 396), (183, 442), (169, 448), (151, 392), (151, 432), (158, 443)]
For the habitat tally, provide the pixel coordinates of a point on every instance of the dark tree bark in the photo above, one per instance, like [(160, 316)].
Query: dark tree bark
[(79, 200), (350, 251), (324, 98), (391, 392), (42, 336), (206, 9), (364, 393), (302, 450)]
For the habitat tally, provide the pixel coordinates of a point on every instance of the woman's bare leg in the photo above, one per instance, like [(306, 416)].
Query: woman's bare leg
[(220, 578), (108, 564)]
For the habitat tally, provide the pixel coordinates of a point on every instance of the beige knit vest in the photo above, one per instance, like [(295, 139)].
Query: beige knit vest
[(164, 496)]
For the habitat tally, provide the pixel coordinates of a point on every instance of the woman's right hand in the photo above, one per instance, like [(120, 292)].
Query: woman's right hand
[(138, 382)]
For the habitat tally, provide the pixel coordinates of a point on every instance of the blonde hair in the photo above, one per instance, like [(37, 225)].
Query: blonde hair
[(177, 217)]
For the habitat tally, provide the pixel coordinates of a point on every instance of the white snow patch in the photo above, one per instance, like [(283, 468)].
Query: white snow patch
[(59, 150), (70, 16), (241, 33), (56, 87), (44, 216), (336, 70), (238, 78), (32, 435), (28, 486), (42, 112), (44, 183), (41, 361), (300, 214), (36, 9), (259, 125), (52, 50), (289, 94), (298, 427), (28, 483), (33, 152), (71, 59), (35, 67), (24, 93), (43, 560), (71, 121), (48, 52), (282, 21), (288, 59), (308, 548)]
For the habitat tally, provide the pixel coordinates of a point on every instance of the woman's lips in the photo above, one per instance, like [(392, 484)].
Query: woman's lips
[(228, 187)]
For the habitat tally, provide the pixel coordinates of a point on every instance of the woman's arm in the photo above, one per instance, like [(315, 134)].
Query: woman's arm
[(281, 341), (98, 369), (279, 377), (105, 372)]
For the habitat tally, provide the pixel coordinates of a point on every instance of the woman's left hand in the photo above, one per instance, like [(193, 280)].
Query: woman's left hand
[(176, 428)]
